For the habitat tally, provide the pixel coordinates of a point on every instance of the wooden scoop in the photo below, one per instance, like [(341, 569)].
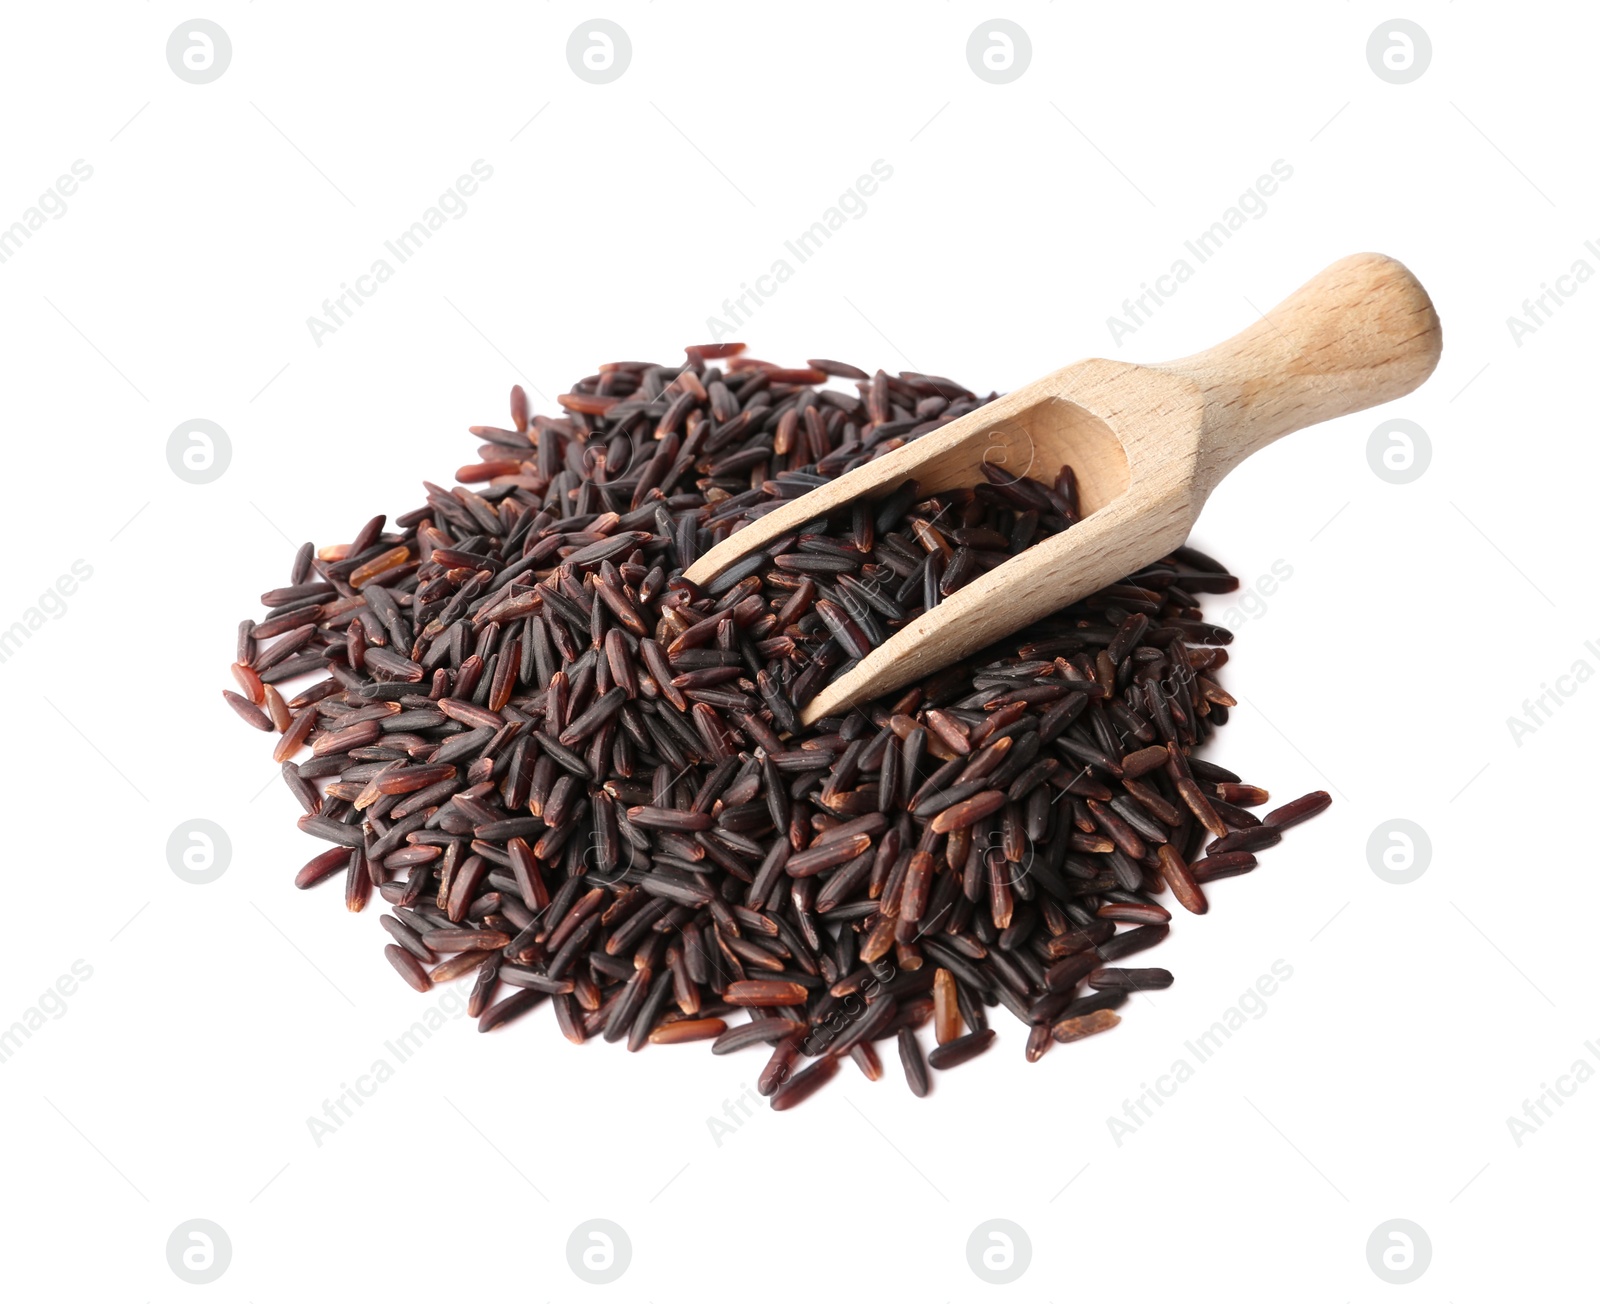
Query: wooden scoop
[(1148, 445)]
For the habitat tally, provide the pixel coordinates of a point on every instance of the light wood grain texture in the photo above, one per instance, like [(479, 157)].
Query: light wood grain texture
[(1148, 444)]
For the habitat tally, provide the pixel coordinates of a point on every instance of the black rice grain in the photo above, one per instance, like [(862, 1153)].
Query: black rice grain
[(582, 778)]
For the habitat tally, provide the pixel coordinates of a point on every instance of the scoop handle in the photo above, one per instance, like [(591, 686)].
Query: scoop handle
[(1361, 332)]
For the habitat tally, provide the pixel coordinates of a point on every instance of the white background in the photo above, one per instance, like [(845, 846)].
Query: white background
[(178, 1082)]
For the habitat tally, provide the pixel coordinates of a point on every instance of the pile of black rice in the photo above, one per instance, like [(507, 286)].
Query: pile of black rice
[(581, 779)]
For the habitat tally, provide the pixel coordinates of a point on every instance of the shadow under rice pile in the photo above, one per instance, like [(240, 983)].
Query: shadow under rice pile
[(576, 778)]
